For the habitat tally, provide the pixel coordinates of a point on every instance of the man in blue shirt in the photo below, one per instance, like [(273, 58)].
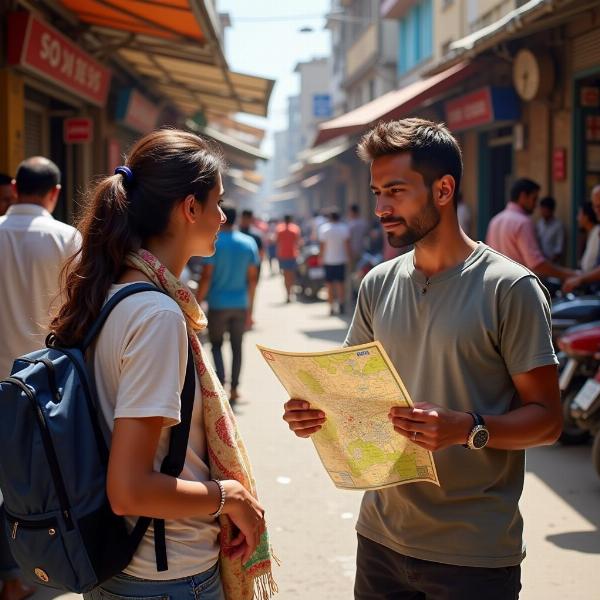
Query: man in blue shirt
[(228, 283)]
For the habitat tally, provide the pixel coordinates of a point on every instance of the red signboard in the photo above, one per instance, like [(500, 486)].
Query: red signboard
[(78, 130), (43, 50), (471, 110), (142, 115), (559, 164)]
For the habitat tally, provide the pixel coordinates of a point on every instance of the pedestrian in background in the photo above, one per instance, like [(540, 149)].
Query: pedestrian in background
[(334, 238), (143, 224), (34, 248), (451, 316), (588, 225), (512, 232), (8, 195), (228, 283), (550, 230), (288, 238)]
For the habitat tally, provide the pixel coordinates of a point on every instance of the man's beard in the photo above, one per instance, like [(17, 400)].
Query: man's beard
[(425, 222)]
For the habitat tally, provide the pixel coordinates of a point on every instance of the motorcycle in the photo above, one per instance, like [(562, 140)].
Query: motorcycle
[(571, 311), (581, 347), (310, 273), (584, 410)]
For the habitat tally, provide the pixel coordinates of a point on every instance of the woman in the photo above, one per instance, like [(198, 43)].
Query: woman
[(142, 225)]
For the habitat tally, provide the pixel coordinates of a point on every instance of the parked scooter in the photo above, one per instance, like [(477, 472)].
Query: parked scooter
[(581, 347), (584, 411), (571, 311)]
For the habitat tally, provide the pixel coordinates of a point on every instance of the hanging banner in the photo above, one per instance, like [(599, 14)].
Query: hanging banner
[(40, 49)]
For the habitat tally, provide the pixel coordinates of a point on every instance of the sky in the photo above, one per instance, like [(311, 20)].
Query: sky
[(264, 40)]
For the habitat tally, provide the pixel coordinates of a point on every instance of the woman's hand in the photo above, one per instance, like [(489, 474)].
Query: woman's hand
[(301, 419), (247, 515)]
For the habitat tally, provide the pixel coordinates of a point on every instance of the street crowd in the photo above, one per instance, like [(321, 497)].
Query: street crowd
[(449, 311)]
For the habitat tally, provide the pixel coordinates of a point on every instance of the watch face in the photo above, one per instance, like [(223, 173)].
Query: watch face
[(480, 439)]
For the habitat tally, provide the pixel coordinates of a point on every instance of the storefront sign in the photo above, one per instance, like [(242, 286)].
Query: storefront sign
[(482, 107), (590, 97), (136, 112), (78, 130), (41, 49), (559, 164)]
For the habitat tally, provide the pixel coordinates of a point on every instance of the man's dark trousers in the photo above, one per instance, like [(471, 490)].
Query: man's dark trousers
[(233, 321), (382, 574)]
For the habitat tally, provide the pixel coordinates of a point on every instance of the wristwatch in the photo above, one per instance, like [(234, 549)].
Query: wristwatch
[(479, 435)]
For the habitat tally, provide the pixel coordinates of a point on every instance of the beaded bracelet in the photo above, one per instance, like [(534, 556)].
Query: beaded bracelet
[(223, 497)]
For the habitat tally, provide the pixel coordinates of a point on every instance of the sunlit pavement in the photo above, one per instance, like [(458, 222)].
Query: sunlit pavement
[(312, 523)]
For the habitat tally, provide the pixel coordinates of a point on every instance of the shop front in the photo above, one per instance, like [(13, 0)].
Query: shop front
[(59, 83), (484, 120)]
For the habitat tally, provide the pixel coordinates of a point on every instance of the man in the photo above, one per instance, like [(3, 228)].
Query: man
[(593, 275), (7, 193), (288, 238), (512, 232), (334, 238), (587, 222), (228, 282), (33, 250), (359, 230), (451, 315), (550, 230)]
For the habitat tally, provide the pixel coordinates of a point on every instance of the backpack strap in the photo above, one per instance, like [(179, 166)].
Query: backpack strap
[(174, 460), (134, 288)]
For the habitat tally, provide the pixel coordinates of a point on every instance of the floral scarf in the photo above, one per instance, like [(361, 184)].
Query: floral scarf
[(227, 454)]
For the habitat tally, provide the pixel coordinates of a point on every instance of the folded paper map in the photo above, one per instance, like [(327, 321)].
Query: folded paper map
[(355, 387)]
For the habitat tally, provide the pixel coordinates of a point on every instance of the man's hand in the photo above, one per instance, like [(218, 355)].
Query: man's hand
[(301, 419), (572, 283), (431, 426)]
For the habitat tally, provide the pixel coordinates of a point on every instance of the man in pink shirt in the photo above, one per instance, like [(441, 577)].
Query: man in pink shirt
[(512, 232), (288, 242)]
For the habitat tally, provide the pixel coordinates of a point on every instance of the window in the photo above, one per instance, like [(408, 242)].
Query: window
[(416, 36)]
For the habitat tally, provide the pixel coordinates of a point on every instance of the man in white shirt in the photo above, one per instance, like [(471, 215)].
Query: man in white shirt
[(588, 225), (34, 247), (334, 238), (550, 231)]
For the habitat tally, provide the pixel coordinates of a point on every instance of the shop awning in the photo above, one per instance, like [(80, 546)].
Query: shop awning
[(393, 105), (326, 152), (175, 47)]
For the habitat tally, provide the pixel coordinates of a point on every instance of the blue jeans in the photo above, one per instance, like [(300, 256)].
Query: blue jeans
[(205, 586)]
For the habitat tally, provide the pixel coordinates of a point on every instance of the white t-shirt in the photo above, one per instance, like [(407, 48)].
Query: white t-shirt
[(334, 236), (33, 248), (139, 360), (589, 260)]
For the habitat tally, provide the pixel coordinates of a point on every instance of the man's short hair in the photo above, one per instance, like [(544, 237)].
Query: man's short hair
[(334, 215), (587, 209), (548, 202), (287, 218), (5, 179), (36, 176), (247, 213), (355, 209), (433, 149), (523, 186), (230, 213)]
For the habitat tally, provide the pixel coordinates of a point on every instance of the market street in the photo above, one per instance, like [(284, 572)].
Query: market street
[(312, 522)]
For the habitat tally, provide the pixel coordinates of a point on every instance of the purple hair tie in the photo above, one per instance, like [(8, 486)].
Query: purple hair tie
[(127, 174)]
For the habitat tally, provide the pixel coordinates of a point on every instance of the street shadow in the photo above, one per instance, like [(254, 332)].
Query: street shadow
[(337, 335), (568, 471)]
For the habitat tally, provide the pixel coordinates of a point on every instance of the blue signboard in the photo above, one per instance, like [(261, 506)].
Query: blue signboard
[(322, 106)]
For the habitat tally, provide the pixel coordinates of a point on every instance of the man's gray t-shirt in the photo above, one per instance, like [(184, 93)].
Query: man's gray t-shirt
[(456, 340)]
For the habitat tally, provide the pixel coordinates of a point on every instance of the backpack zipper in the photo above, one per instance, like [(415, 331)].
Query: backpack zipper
[(59, 484), (16, 523)]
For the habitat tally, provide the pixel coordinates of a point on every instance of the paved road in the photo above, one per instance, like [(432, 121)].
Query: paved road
[(312, 523)]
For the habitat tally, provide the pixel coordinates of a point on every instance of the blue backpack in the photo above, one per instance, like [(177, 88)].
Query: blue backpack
[(53, 464)]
